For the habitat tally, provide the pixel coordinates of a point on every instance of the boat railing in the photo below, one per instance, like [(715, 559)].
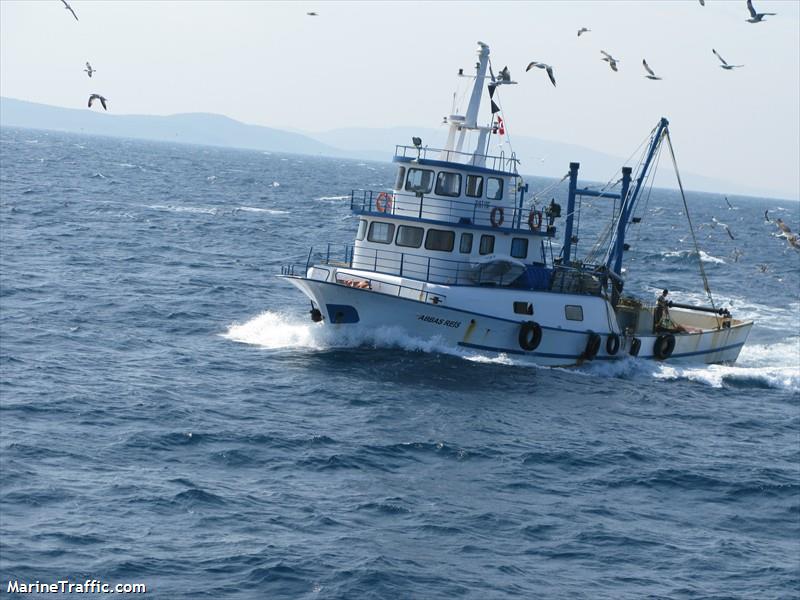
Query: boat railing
[(506, 164), (448, 210), (425, 268), (391, 289)]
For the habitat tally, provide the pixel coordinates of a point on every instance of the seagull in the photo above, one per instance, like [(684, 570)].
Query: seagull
[(505, 74), (547, 68), (94, 97), (312, 14), (612, 62), (755, 17), (724, 64), (69, 8), (89, 70), (702, 2), (582, 30), (651, 74), (714, 223)]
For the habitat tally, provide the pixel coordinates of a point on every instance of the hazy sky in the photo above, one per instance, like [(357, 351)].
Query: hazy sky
[(383, 64)]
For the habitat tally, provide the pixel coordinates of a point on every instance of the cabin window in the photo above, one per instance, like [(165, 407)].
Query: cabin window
[(494, 188), (448, 184), (420, 181), (401, 176), (381, 232), (519, 247), (474, 186), (439, 239), (523, 308), (487, 244), (573, 312), (362, 230), (465, 247), (410, 237)]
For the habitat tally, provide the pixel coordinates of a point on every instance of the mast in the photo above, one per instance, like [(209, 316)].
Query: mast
[(629, 203), (460, 125)]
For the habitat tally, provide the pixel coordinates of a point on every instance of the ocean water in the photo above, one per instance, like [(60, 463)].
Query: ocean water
[(169, 415)]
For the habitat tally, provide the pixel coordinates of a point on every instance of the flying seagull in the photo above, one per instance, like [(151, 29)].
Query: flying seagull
[(755, 17), (69, 8), (547, 68), (312, 14), (714, 223), (89, 70), (94, 97), (651, 74), (612, 62), (582, 30), (724, 64), (702, 2)]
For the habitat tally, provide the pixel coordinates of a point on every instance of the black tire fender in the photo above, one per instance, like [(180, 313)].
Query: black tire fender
[(636, 345), (665, 344), (592, 346), (612, 344), (530, 336)]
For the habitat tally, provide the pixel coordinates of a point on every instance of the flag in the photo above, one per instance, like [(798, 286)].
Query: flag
[(495, 108), (501, 129)]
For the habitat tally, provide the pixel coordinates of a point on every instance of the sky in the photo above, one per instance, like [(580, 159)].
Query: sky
[(387, 64)]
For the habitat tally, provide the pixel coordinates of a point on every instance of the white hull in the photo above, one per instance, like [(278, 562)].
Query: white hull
[(427, 311)]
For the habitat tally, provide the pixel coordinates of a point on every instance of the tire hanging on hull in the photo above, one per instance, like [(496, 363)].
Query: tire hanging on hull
[(612, 344), (664, 346), (592, 346), (530, 336)]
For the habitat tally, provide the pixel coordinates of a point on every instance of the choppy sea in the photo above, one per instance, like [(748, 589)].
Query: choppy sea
[(169, 414)]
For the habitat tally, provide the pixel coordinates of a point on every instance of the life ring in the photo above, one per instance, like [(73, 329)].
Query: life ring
[(592, 346), (636, 345), (535, 220), (497, 216), (665, 344), (612, 344), (383, 202), (530, 335)]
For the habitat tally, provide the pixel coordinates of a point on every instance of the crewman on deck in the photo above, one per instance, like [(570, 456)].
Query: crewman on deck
[(663, 320)]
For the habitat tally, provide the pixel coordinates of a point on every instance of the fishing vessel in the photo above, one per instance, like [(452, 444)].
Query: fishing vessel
[(455, 251)]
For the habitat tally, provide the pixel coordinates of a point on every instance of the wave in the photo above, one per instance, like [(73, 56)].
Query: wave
[(685, 254), (775, 366), (270, 211), (331, 198), (188, 209)]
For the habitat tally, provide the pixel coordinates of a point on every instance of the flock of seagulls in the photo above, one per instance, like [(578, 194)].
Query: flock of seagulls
[(88, 70), (755, 17)]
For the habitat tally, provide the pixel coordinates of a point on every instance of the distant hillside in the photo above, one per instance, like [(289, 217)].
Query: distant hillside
[(538, 157), (190, 128)]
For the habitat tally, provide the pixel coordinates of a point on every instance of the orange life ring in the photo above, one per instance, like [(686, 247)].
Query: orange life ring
[(383, 202), (535, 220), (494, 218)]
